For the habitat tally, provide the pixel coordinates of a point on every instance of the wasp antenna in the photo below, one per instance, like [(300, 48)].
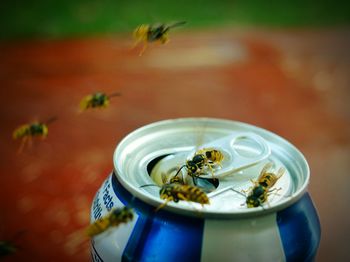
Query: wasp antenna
[(51, 119), (239, 192), (114, 94), (178, 171), (194, 181), (148, 185), (175, 24)]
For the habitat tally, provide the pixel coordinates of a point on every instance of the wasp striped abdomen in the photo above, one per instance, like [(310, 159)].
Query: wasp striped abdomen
[(176, 192), (113, 219)]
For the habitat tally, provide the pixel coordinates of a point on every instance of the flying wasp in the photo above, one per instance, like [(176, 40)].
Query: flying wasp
[(27, 131), (96, 100), (153, 33), (112, 219), (262, 187)]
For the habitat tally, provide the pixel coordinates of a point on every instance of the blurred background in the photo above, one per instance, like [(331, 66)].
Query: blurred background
[(280, 65)]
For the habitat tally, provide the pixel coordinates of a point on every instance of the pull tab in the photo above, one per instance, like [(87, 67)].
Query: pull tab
[(240, 150)]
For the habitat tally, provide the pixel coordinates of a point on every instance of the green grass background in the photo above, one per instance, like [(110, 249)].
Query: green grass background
[(74, 18)]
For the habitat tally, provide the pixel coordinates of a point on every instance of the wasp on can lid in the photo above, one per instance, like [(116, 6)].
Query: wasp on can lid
[(96, 100), (204, 158), (112, 219), (153, 33), (262, 187), (27, 131), (212, 157), (177, 191), (173, 180)]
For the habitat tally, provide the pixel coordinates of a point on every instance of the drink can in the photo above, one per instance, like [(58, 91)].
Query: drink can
[(283, 228)]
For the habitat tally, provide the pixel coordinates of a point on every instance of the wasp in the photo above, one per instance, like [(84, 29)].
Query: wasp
[(174, 179), (27, 131), (112, 219), (262, 187), (153, 33), (175, 191), (194, 166), (96, 100), (212, 156), (203, 158)]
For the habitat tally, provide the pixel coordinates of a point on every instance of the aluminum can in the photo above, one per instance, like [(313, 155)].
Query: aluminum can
[(285, 228)]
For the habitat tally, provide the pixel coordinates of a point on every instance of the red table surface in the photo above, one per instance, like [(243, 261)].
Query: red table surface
[(294, 83)]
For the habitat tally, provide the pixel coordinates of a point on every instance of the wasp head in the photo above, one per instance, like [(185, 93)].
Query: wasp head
[(192, 167), (253, 201), (38, 129), (256, 197), (123, 214)]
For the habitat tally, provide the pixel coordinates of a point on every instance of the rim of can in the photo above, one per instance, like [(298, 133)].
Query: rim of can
[(124, 154)]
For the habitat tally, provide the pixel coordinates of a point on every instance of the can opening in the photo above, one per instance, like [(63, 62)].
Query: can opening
[(162, 168), (153, 162)]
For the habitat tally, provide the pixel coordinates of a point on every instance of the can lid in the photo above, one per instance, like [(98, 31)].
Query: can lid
[(163, 147)]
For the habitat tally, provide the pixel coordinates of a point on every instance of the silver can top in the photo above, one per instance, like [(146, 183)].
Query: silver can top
[(146, 154)]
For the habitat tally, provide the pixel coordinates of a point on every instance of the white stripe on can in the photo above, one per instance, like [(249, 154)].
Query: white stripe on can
[(112, 242), (226, 240)]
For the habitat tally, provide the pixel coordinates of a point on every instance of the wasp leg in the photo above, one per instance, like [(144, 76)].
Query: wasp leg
[(194, 181), (246, 191), (275, 189), (145, 45), (164, 39), (136, 43), (182, 197), (30, 142), (249, 189), (164, 204), (25, 140), (271, 192), (211, 170)]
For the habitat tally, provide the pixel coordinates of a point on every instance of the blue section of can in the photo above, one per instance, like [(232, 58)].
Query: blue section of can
[(164, 236), (300, 230), (160, 236)]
